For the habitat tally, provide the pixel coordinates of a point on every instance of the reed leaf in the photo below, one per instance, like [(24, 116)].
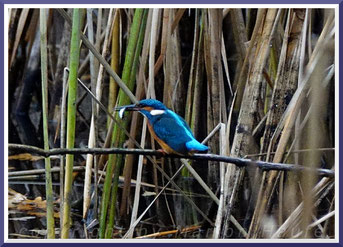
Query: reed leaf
[(48, 179), (71, 120), (114, 162)]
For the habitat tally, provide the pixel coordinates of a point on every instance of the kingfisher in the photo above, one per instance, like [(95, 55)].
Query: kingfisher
[(169, 129)]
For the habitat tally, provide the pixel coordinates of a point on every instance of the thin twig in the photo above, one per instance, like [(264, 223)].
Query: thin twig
[(240, 162)]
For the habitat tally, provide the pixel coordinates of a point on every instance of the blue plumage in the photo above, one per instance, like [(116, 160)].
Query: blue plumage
[(194, 145), (169, 129)]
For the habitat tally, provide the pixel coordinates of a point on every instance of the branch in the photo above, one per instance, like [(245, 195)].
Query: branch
[(240, 162)]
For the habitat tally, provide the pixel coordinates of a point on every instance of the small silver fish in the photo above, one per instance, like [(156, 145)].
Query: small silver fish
[(121, 112)]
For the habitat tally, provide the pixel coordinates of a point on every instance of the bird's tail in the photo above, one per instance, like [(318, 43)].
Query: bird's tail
[(194, 145)]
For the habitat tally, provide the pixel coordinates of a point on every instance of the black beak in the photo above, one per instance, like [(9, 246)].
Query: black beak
[(127, 108), (124, 108)]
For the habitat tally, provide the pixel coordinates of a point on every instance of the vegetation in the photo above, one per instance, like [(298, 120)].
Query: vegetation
[(257, 84)]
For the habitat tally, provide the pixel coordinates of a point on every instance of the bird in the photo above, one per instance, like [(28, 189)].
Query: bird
[(169, 129)]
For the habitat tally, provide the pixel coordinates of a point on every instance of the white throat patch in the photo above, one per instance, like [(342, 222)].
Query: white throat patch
[(157, 112)]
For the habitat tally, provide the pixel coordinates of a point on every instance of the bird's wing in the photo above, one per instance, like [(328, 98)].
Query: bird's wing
[(174, 131), (182, 122), (171, 130), (167, 127), (193, 144)]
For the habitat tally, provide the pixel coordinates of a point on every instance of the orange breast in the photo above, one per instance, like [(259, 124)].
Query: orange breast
[(164, 145)]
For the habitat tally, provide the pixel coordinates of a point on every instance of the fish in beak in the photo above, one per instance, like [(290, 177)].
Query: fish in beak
[(124, 108)]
